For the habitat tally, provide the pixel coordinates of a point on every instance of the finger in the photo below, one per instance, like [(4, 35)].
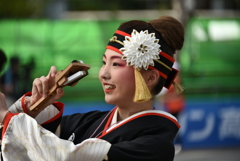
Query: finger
[(36, 91), (2, 96), (51, 76), (52, 72), (59, 93), (44, 87), (57, 96), (3, 104), (37, 88)]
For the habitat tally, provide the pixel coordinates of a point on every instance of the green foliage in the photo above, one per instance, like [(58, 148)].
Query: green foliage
[(58, 43), (210, 59)]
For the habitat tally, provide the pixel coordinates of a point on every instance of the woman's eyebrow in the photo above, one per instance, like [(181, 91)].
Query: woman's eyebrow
[(113, 57)]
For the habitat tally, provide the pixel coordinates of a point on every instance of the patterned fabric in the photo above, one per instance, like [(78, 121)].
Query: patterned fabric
[(48, 113), (25, 140)]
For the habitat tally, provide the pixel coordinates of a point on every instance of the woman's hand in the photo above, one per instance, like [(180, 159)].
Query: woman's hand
[(3, 106), (40, 89)]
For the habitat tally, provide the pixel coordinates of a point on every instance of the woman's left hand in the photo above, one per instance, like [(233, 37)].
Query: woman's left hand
[(3, 106)]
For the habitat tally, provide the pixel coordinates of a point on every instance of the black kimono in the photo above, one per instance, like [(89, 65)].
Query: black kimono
[(147, 135)]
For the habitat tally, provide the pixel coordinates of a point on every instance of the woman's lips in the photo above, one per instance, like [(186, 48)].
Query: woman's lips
[(108, 87)]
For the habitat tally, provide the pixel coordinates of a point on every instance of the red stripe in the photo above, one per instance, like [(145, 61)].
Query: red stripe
[(114, 49), (60, 107), (22, 102), (161, 74), (108, 122), (167, 56), (147, 114), (6, 121), (122, 33)]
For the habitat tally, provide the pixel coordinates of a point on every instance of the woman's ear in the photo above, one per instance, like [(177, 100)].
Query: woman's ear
[(151, 76)]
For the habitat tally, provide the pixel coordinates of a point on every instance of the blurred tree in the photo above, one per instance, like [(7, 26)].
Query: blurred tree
[(78, 5), (54, 9), (20, 9)]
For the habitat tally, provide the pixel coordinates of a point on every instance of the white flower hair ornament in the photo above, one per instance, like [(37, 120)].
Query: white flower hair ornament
[(140, 49)]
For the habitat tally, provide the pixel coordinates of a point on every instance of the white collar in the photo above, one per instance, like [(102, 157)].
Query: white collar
[(114, 119)]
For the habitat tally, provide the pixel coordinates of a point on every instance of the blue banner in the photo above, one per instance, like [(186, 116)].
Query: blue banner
[(210, 124)]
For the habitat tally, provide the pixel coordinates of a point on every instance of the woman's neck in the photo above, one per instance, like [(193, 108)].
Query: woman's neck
[(126, 111)]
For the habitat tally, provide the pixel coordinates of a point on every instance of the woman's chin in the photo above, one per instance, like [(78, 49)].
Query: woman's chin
[(110, 100)]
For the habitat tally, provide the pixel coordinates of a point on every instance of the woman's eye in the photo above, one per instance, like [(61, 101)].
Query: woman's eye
[(103, 62), (116, 64)]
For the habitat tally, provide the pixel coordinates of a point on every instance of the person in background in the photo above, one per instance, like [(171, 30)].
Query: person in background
[(171, 101), (3, 60), (136, 66), (174, 103), (10, 81)]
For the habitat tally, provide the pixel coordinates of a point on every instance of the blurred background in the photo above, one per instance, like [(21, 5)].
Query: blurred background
[(36, 34)]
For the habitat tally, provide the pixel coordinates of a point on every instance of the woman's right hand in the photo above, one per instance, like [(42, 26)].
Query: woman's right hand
[(40, 89)]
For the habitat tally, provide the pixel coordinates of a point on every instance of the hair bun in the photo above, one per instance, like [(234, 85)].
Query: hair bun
[(171, 30)]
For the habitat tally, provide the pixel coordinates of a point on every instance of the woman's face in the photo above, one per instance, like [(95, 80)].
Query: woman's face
[(117, 79)]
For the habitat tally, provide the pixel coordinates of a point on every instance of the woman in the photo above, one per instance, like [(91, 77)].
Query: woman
[(136, 65)]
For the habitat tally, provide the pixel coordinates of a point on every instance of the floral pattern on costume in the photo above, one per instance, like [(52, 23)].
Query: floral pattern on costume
[(25, 140)]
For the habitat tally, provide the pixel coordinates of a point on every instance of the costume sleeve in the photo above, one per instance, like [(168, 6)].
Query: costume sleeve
[(25, 140), (49, 118), (149, 147)]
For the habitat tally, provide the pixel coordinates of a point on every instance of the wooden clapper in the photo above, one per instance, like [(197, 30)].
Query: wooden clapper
[(70, 76)]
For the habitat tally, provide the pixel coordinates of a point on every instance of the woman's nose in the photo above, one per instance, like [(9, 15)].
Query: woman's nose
[(104, 73)]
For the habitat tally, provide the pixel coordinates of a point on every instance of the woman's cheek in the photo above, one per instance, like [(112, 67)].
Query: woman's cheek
[(128, 78)]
